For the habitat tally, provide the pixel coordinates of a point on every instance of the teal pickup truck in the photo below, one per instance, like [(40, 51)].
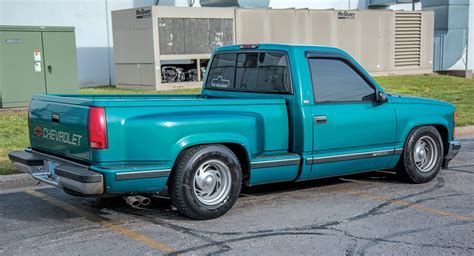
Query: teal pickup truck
[(267, 113)]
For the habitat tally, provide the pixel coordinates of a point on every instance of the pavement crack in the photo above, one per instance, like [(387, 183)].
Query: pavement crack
[(463, 171), (461, 166), (371, 241), (181, 229), (398, 208), (232, 240), (375, 211)]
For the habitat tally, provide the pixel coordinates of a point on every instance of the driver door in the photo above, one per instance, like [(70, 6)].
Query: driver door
[(352, 132)]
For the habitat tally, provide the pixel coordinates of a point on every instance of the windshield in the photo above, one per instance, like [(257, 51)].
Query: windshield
[(265, 71)]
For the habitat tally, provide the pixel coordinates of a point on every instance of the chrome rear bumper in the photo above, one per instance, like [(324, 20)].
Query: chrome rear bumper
[(62, 174)]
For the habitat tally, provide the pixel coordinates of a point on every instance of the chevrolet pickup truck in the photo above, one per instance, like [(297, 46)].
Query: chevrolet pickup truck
[(267, 113)]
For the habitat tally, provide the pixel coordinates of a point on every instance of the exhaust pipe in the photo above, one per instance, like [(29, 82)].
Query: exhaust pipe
[(143, 200), (132, 201)]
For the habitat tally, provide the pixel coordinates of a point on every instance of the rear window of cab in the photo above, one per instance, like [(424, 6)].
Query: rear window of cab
[(263, 71)]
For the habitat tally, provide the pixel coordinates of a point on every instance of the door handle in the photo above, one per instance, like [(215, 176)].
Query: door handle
[(50, 69), (320, 119)]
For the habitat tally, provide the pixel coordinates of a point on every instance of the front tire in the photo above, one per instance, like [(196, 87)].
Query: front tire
[(205, 182), (422, 156)]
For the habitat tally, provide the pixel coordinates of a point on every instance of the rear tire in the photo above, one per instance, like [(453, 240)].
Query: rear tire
[(205, 182), (422, 156)]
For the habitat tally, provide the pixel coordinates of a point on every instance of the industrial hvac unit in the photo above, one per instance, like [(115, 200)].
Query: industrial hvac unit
[(162, 48), (167, 47), (384, 42), (235, 3)]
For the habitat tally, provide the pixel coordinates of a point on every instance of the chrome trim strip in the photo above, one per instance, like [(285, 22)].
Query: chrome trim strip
[(275, 163), (142, 174), (398, 151), (354, 156)]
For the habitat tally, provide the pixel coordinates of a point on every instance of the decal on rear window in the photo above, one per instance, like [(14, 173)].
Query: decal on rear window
[(220, 82)]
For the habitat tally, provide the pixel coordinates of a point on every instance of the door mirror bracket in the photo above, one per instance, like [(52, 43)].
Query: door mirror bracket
[(380, 97)]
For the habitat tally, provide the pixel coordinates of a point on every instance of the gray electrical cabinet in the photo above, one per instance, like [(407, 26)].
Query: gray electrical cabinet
[(36, 60)]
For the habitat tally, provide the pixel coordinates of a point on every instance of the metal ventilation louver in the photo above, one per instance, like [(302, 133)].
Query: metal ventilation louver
[(407, 39)]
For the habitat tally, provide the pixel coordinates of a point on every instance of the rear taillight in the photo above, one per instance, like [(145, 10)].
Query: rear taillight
[(97, 128), (455, 116)]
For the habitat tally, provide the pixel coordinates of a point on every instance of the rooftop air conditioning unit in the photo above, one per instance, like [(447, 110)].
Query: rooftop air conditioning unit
[(236, 3)]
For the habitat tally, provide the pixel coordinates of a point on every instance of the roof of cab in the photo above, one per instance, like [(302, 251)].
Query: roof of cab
[(284, 47)]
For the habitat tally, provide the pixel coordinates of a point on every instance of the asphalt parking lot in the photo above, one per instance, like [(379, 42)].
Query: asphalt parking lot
[(363, 214)]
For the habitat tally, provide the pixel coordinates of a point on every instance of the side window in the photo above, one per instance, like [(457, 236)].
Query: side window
[(335, 81), (221, 73)]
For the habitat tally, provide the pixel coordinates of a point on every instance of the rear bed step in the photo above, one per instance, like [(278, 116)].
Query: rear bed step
[(78, 174), (26, 158)]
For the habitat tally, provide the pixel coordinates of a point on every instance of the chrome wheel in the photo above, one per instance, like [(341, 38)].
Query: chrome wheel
[(212, 182), (426, 153)]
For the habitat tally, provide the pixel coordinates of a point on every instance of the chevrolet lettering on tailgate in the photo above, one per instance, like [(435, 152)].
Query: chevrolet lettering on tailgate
[(61, 136)]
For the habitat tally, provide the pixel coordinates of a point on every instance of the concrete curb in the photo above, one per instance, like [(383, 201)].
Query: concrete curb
[(465, 131), (9, 110), (16, 181)]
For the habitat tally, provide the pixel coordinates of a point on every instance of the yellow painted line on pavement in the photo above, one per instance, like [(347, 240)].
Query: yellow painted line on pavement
[(380, 198), (137, 236)]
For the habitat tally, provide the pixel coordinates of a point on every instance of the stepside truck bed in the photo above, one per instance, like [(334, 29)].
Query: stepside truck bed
[(144, 135)]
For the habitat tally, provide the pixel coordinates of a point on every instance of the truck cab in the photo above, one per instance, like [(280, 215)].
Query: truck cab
[(267, 113)]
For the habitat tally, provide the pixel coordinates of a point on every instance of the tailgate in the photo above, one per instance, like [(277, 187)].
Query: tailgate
[(59, 127)]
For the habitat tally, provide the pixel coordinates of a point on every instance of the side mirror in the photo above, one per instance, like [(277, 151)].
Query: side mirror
[(380, 97)]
